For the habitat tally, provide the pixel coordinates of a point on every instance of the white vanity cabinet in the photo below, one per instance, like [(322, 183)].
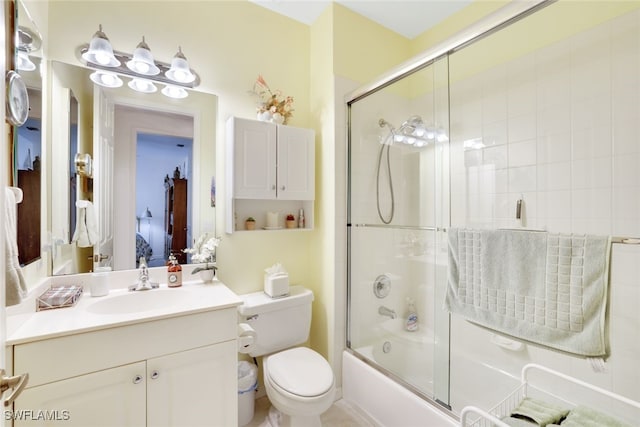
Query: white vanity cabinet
[(175, 371), (269, 163)]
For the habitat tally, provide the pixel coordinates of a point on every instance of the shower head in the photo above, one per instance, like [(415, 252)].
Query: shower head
[(413, 132)]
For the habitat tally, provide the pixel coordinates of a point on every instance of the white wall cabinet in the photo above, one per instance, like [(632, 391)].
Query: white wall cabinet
[(172, 378), (268, 162)]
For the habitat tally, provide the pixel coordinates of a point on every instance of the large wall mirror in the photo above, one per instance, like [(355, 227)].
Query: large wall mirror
[(27, 141), (142, 165)]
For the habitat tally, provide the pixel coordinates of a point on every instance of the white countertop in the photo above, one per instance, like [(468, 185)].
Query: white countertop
[(89, 314)]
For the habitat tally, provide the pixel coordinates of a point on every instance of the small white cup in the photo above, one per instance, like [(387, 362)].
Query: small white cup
[(100, 282)]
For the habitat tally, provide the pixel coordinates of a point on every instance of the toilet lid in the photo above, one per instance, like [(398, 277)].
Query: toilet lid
[(301, 371)]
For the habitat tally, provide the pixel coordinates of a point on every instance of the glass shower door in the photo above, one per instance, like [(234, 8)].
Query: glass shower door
[(398, 158)]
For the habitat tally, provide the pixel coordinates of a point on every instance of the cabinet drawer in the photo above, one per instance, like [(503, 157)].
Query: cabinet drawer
[(64, 357)]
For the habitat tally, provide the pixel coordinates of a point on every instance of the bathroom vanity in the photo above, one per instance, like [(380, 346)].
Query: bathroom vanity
[(155, 358)]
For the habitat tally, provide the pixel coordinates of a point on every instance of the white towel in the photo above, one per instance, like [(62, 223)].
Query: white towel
[(86, 234), (16, 287)]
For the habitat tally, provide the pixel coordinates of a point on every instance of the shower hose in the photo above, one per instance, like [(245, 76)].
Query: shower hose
[(384, 146)]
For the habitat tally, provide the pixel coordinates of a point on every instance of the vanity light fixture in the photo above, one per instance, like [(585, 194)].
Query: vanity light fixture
[(142, 61), (106, 79), (180, 71), (100, 51), (140, 67), (142, 85), (27, 41)]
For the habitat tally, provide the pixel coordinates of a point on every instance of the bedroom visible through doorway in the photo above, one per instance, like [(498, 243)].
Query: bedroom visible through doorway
[(163, 197)]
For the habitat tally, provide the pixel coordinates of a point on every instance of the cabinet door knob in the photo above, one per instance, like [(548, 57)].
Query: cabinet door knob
[(137, 379), (283, 188), (273, 187), (155, 375)]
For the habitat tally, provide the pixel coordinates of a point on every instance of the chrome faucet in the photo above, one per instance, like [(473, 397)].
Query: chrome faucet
[(387, 312), (143, 283)]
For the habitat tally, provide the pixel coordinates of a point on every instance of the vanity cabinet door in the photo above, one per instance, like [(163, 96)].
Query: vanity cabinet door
[(194, 388), (113, 397)]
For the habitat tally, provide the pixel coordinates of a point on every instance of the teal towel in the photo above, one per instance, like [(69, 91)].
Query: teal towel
[(546, 288), (582, 416), (539, 411)]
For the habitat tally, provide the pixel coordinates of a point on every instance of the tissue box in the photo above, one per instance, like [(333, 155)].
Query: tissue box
[(276, 285)]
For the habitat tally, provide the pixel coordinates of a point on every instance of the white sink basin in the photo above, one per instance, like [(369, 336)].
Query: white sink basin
[(138, 301)]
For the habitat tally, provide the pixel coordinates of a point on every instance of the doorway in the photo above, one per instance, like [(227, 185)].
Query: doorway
[(161, 160), (152, 148)]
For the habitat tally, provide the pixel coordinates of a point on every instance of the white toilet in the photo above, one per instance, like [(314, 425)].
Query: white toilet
[(299, 382)]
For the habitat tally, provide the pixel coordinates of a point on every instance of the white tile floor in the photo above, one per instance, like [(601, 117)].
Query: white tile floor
[(341, 414)]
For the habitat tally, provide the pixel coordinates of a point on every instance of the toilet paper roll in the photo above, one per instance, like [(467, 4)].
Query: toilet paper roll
[(246, 338)]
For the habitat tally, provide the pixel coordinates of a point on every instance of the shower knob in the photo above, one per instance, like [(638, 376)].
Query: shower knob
[(382, 286)]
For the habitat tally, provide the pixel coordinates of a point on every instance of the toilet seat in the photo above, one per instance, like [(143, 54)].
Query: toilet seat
[(301, 372)]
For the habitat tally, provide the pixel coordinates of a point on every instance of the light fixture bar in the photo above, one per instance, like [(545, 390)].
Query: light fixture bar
[(122, 69)]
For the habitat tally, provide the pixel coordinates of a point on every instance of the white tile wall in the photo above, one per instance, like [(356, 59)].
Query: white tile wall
[(562, 119), (570, 114)]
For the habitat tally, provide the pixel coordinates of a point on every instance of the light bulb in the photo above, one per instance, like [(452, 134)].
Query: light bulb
[(106, 79), (141, 85), (141, 67), (102, 58), (174, 92)]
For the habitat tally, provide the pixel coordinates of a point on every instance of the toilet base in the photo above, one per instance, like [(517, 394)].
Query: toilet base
[(276, 418)]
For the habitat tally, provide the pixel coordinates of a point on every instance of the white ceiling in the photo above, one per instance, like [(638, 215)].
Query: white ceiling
[(409, 18)]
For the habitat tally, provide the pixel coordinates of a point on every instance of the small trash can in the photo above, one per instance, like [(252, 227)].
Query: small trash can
[(247, 385)]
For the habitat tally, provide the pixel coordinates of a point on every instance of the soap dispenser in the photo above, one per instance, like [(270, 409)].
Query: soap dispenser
[(174, 273), (411, 318)]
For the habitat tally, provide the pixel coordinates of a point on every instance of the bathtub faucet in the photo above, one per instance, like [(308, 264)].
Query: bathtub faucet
[(386, 312)]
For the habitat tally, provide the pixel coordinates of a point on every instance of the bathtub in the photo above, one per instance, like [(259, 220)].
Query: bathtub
[(378, 395), (408, 355)]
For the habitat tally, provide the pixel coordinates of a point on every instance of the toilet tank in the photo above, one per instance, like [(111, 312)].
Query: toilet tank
[(279, 323)]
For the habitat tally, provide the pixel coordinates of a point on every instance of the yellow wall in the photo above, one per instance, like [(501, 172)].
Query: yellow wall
[(363, 50), (454, 23), (322, 266)]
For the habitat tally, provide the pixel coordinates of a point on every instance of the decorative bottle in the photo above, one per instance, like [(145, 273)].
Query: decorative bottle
[(411, 317), (174, 273), (301, 221)]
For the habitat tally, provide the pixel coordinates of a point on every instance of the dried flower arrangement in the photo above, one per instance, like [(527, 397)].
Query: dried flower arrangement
[(273, 106)]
